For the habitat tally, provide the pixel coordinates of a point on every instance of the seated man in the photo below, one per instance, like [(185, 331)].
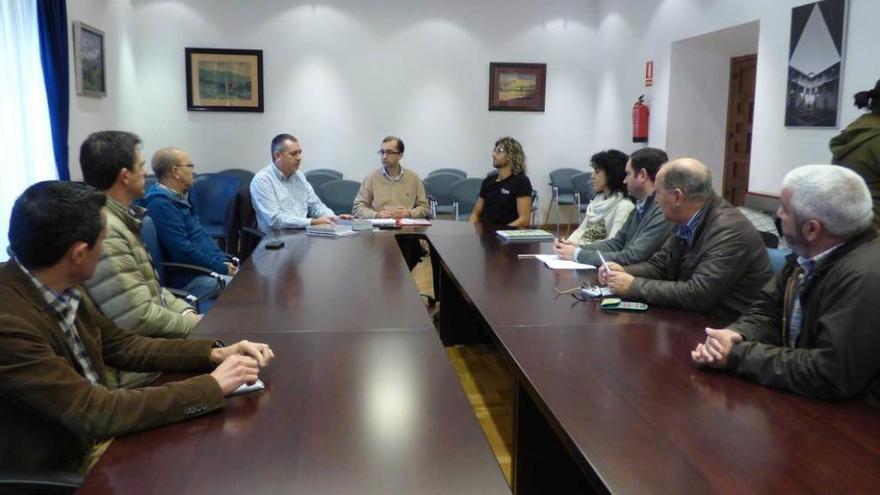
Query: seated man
[(645, 229), (812, 330), (124, 284), (506, 197), (54, 398), (281, 195), (182, 237), (391, 191), (714, 264)]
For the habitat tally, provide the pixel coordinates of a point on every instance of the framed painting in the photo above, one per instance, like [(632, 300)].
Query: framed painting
[(517, 87), (221, 80), (88, 60), (815, 57)]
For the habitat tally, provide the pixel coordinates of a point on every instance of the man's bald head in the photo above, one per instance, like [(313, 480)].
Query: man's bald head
[(687, 175)]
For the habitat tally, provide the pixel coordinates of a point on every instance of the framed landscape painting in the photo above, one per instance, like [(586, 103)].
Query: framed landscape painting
[(88, 60), (220, 80), (517, 87)]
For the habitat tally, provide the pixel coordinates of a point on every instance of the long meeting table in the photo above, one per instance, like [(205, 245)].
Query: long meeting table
[(362, 399)]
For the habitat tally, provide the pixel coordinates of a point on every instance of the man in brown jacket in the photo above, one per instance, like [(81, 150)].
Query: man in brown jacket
[(715, 262), (813, 331), (54, 399)]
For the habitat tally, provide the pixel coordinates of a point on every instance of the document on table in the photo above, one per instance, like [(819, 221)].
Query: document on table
[(244, 389), (553, 262), (414, 221), (383, 221)]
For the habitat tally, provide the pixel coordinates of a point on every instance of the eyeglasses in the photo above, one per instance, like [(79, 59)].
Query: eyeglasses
[(387, 152), (187, 165), (498, 149)]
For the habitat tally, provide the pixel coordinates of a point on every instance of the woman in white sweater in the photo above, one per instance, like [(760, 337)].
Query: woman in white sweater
[(608, 211)]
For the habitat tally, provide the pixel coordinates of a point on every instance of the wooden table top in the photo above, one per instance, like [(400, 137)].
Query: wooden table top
[(357, 405), (374, 412)]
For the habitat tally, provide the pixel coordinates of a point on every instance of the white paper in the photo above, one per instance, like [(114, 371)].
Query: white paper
[(383, 221), (414, 221), (553, 262), (244, 389)]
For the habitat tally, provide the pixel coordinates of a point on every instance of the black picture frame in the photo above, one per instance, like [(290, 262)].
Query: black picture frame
[(815, 64), (224, 80), (517, 87)]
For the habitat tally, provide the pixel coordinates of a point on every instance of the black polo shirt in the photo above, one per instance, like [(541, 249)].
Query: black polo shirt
[(499, 198)]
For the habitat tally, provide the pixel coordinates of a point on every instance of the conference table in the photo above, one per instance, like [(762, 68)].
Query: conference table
[(361, 397)]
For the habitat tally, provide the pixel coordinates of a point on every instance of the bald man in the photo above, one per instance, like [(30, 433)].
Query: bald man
[(715, 262), (182, 237)]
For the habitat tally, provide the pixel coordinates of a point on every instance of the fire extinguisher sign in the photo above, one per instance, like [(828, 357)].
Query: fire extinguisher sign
[(649, 73)]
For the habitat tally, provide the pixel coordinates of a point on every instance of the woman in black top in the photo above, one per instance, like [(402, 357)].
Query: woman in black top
[(505, 196)]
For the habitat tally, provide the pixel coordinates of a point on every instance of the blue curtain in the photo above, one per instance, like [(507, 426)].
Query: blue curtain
[(52, 21)]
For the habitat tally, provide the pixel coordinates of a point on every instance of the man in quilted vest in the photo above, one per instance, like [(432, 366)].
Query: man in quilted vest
[(125, 285)]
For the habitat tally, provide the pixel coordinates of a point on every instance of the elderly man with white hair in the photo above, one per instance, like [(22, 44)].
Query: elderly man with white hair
[(812, 330)]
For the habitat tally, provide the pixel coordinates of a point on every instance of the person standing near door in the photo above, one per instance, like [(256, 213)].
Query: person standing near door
[(858, 146)]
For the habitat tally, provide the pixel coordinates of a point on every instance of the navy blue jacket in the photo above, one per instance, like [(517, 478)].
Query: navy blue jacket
[(182, 237)]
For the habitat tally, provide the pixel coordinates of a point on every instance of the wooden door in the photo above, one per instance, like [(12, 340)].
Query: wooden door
[(740, 114)]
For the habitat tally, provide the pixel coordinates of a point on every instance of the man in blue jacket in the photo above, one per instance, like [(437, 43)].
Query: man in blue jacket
[(182, 237)]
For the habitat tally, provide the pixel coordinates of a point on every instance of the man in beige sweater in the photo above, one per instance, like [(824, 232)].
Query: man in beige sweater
[(391, 191)]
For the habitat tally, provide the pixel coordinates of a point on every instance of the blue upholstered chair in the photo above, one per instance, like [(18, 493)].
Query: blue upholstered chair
[(210, 196), (438, 187), (461, 173), (464, 196), (329, 171), (339, 195), (582, 185)]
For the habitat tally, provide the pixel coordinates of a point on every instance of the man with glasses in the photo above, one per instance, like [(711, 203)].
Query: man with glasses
[(811, 330), (391, 191), (506, 196), (281, 195), (182, 237)]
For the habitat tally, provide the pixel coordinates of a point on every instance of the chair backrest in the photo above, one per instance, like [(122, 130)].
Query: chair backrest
[(465, 193), (318, 179), (330, 171), (561, 179), (582, 184), (777, 258), (151, 242), (244, 176), (210, 195), (461, 173), (439, 187), (339, 195), (240, 226)]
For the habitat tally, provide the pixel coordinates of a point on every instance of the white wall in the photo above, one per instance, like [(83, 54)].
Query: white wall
[(633, 31), (699, 84), (343, 74)]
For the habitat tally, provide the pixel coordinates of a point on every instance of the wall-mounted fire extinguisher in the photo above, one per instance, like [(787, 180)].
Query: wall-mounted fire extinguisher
[(640, 120)]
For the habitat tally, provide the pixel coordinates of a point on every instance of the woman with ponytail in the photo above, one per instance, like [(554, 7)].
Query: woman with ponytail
[(858, 146)]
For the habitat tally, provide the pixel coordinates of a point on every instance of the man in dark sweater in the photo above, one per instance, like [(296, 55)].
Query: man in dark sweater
[(645, 229), (54, 399), (182, 237), (812, 330), (715, 263)]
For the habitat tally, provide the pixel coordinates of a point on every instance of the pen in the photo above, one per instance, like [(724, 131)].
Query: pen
[(604, 263)]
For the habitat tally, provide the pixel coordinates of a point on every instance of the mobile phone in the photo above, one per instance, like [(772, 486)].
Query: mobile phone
[(618, 304), (274, 244)]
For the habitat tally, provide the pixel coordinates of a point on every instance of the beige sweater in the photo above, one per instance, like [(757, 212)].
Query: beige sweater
[(378, 192)]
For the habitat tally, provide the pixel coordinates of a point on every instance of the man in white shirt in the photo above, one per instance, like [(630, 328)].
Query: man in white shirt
[(281, 195)]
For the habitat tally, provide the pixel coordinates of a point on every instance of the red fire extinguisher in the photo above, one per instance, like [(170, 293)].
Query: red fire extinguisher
[(640, 120)]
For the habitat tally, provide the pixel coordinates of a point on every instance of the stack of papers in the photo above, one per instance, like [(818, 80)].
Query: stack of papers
[(329, 230), (553, 262), (413, 221), (525, 235)]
